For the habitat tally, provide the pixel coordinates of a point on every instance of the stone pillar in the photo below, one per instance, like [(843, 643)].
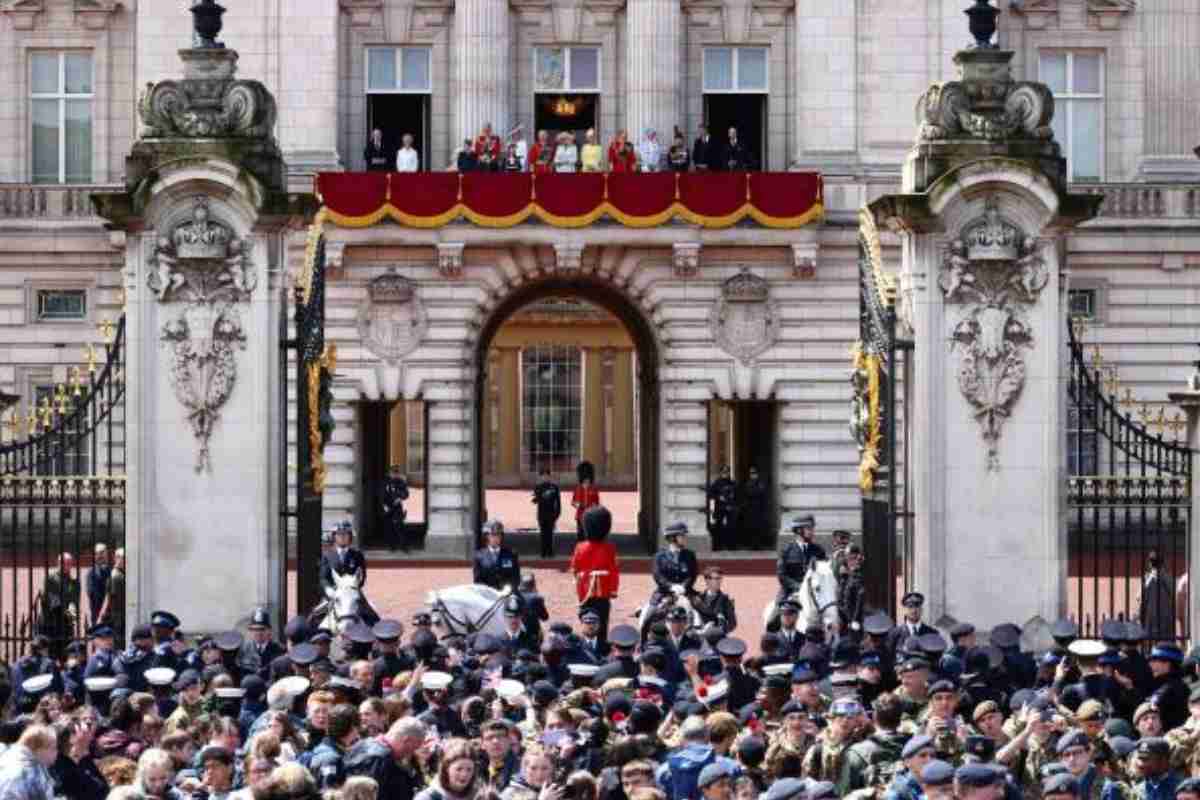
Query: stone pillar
[(984, 206), (508, 462), (205, 220), (1189, 401), (1172, 65), (652, 67), (482, 80), (450, 486)]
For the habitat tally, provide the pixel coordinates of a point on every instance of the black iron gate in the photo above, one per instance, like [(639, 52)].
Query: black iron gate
[(315, 362), (62, 496), (1129, 501), (878, 425)]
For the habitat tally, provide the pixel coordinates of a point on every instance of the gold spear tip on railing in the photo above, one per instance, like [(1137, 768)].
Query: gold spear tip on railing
[(76, 381), (106, 328), (1112, 381), (91, 358), (47, 412), (61, 399), (1128, 399), (1144, 414), (1097, 357)]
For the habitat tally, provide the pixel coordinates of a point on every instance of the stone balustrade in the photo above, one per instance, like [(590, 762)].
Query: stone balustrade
[(1145, 201), (24, 201)]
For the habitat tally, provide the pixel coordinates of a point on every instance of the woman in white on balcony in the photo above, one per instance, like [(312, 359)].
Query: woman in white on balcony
[(650, 153), (407, 159), (566, 155)]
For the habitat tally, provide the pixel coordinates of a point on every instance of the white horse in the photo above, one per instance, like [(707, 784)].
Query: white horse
[(468, 609), (648, 613), (817, 597), (344, 608)]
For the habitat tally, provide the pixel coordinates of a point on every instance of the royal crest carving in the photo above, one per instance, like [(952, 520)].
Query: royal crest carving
[(995, 274), (200, 265), (391, 320), (744, 320)]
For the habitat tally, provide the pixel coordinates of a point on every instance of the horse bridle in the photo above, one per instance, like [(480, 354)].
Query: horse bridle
[(812, 593), (439, 608)]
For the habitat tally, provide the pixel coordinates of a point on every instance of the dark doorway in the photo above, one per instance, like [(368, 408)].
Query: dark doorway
[(396, 115), (742, 435), (381, 424), (566, 112), (601, 294), (747, 113)]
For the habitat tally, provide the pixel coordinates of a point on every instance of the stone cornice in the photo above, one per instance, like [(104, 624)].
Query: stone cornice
[(95, 15), (23, 13), (1105, 14)]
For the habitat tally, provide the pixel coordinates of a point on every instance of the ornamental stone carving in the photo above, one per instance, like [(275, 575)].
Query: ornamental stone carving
[(450, 259), (745, 320), (686, 259), (208, 102), (391, 320), (201, 266), (995, 274), (986, 103), (568, 257)]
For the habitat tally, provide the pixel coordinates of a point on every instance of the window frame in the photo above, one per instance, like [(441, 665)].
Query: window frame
[(567, 87), (40, 292), (61, 98), (398, 59), (34, 287), (736, 51), (1066, 101), (528, 463)]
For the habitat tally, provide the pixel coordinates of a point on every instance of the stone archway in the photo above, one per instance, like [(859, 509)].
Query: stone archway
[(637, 322)]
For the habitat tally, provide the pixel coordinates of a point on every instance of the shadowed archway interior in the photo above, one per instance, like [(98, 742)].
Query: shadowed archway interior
[(603, 295)]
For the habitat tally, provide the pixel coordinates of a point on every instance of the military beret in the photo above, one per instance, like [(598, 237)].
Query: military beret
[(786, 789), (215, 753), (793, 707), (821, 790), (259, 618), (878, 624), (1118, 727), (675, 529), (1153, 746), (777, 682), (589, 615), (1121, 746), (932, 644), (1064, 630), (1063, 783), (912, 665), (296, 630), (186, 679), (977, 661), (1166, 651), (976, 775), (624, 636), (359, 633), (712, 773), (913, 600), (1071, 740), (915, 745), (731, 647), (942, 685), (1091, 710), (101, 631), (961, 629), (983, 709), (1188, 786), (321, 636), (1086, 648), (322, 665), (164, 619), (229, 641), (937, 773), (1005, 636), (1145, 708), (141, 632), (678, 614)]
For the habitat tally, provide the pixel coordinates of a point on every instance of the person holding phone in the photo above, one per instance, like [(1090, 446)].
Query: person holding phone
[(535, 782)]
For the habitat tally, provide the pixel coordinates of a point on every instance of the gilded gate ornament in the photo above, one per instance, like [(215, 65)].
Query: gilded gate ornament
[(995, 274)]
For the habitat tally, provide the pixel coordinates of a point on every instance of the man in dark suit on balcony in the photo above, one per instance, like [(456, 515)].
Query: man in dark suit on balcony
[(705, 152)]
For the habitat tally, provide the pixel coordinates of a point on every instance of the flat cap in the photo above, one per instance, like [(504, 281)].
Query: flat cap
[(589, 615), (1153, 746), (1121, 746), (976, 775), (1112, 631), (731, 647), (801, 673), (296, 630), (803, 521), (229, 641), (941, 686), (716, 771), (786, 789), (1071, 740), (141, 632), (845, 653), (359, 633), (961, 629), (913, 600), (101, 631), (878, 624), (937, 773), (321, 636), (932, 644), (916, 744), (789, 606), (1064, 630), (675, 529), (624, 637), (304, 654), (164, 619)]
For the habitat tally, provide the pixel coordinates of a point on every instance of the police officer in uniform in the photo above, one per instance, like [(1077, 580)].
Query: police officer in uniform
[(163, 625), (344, 559), (495, 565), (136, 659), (101, 663), (911, 626), (712, 604), (256, 653), (675, 568), (393, 495), (722, 494), (547, 496), (390, 660), (852, 592), (752, 521), (795, 560)]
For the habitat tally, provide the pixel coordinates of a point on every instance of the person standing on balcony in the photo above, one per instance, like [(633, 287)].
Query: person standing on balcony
[(541, 155), (407, 160), (566, 154), (466, 160), (736, 157), (516, 143), (375, 154), (585, 495), (590, 155), (650, 153), (487, 149), (677, 156), (621, 157)]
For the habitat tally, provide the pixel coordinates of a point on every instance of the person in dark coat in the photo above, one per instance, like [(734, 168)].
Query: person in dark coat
[(735, 157), (495, 565), (712, 604), (752, 519), (722, 495), (96, 582), (392, 496), (1169, 692), (516, 636), (376, 154), (852, 592), (743, 687), (674, 567), (547, 496), (390, 759), (467, 161), (1156, 610), (705, 152), (533, 605), (911, 625), (260, 649), (345, 559), (796, 558)]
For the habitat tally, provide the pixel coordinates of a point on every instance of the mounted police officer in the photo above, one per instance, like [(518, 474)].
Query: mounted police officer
[(345, 559), (722, 494), (675, 569), (495, 565), (712, 604), (547, 496), (795, 560), (393, 495)]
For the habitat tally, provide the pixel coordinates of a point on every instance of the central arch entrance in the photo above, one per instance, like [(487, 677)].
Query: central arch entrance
[(603, 295)]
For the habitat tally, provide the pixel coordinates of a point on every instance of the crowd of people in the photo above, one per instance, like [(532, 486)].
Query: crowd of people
[(561, 152), (558, 709)]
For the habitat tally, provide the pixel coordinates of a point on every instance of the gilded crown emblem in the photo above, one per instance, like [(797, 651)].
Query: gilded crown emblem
[(390, 288), (201, 237), (745, 287), (991, 237)]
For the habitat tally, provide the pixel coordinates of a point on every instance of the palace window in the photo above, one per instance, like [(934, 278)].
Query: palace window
[(399, 84), (735, 69), (551, 408), (58, 305), (566, 69), (415, 429), (1077, 80), (398, 69), (61, 94), (1083, 440), (1082, 303)]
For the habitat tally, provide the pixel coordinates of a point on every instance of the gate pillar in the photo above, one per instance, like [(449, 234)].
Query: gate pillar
[(981, 295), (205, 212), (1189, 401)]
